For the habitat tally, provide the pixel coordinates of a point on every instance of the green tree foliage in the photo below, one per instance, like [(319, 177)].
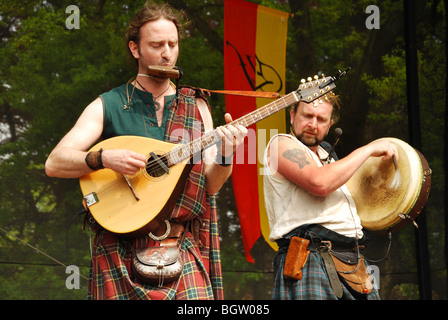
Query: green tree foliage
[(49, 74)]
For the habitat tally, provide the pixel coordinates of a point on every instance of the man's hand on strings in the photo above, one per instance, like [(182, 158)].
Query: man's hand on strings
[(232, 136), (123, 161)]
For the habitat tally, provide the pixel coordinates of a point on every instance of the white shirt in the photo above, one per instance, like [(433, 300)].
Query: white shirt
[(289, 206)]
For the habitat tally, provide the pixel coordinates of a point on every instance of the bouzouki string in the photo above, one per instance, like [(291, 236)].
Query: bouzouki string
[(186, 151)]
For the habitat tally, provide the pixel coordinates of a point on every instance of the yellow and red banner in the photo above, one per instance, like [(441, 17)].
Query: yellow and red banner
[(254, 60)]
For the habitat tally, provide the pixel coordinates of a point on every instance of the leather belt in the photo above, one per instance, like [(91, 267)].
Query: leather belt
[(318, 244), (331, 271), (315, 245)]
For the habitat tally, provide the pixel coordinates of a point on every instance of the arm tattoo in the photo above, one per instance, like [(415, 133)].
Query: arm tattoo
[(297, 156)]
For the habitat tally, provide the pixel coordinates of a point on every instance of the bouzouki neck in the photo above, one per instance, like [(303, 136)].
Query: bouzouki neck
[(309, 91)]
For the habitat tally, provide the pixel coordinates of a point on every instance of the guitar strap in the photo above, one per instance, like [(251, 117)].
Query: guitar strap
[(174, 72), (256, 94)]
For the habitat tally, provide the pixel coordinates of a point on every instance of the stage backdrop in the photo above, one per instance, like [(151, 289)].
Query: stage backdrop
[(254, 60)]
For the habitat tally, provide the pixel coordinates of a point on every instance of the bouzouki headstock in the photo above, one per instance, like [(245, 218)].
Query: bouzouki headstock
[(312, 89)]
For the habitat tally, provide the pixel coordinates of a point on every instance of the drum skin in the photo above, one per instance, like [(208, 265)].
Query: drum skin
[(383, 206)]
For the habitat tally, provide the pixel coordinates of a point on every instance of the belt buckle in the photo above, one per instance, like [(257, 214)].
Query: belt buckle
[(327, 244)]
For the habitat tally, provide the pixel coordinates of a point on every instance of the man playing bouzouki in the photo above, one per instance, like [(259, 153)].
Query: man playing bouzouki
[(153, 107)]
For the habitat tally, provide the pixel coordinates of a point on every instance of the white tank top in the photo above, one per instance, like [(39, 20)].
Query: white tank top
[(289, 206)]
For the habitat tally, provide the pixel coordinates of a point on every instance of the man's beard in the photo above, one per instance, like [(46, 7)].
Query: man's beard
[(309, 142)]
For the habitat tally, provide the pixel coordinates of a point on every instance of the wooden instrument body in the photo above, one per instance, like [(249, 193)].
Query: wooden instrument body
[(117, 208)]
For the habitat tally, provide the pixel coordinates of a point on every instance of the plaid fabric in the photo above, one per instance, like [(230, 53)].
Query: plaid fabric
[(194, 201), (112, 279), (314, 284), (111, 273), (184, 125)]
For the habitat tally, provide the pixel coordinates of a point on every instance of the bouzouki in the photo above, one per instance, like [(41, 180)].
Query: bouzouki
[(136, 205)]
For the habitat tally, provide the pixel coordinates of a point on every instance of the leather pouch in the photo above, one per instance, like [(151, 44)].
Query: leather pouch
[(296, 258), (354, 274), (157, 265), (160, 264)]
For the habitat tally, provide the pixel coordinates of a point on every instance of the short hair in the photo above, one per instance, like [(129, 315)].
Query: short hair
[(151, 12), (334, 100)]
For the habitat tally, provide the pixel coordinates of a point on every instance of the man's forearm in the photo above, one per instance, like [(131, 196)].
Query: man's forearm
[(66, 163)]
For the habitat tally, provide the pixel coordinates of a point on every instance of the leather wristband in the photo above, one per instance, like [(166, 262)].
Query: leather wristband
[(224, 161), (94, 161)]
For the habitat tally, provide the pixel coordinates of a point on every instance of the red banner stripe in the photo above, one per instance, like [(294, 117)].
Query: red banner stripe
[(240, 28)]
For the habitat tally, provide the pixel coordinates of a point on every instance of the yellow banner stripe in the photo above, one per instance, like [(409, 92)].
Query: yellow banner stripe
[(271, 53)]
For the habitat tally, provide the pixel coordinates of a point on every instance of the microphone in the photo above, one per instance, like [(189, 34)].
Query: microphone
[(337, 134)]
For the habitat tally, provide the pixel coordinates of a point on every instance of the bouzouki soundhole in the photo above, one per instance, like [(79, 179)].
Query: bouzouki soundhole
[(157, 166)]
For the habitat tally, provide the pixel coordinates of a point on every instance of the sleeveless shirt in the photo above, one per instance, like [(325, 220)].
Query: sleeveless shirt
[(289, 206), (139, 119)]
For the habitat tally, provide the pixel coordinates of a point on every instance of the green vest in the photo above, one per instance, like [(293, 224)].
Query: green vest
[(137, 120)]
